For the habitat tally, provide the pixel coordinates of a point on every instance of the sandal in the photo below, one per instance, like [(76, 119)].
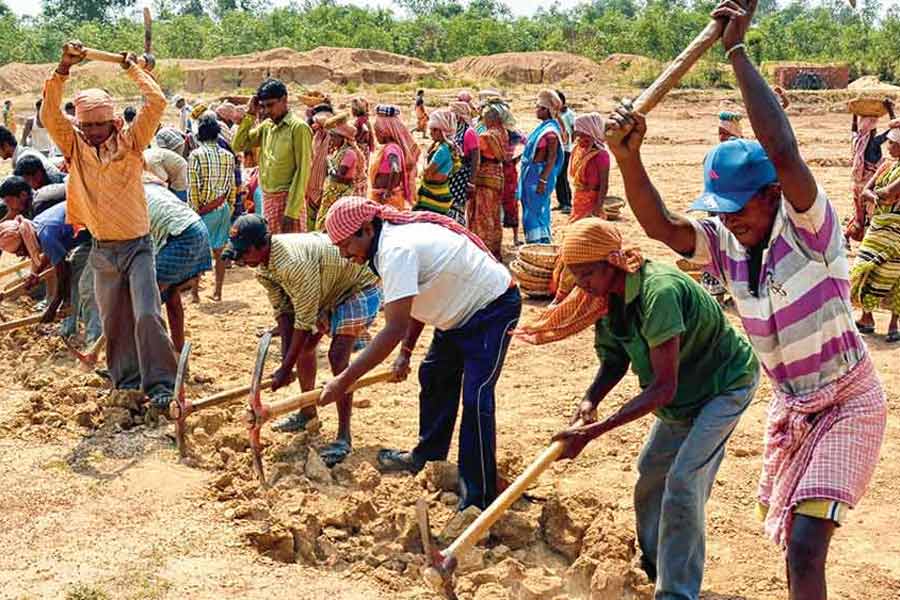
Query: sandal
[(398, 461), (335, 452), (292, 423), (862, 328), (892, 337)]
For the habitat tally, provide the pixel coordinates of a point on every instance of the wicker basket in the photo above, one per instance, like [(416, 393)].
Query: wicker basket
[(312, 99), (535, 271), (535, 292), (526, 279), (236, 100), (867, 107), (613, 203), (539, 255)]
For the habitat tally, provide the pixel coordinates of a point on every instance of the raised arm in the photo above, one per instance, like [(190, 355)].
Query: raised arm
[(624, 135), (52, 116), (247, 136), (144, 126), (767, 117)]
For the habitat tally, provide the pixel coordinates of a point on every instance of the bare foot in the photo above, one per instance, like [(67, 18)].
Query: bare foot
[(215, 298), (195, 298)]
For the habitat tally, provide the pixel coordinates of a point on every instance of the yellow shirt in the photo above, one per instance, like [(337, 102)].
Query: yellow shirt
[(285, 156), (105, 191)]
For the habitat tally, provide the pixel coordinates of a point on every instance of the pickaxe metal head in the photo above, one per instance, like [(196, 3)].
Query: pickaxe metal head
[(256, 412), (439, 576), (180, 408)]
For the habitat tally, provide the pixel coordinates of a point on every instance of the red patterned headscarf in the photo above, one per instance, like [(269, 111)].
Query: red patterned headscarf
[(347, 215)]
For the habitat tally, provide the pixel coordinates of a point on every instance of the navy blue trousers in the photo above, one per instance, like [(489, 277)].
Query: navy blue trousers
[(467, 360)]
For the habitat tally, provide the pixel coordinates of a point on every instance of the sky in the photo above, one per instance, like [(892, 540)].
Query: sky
[(519, 7)]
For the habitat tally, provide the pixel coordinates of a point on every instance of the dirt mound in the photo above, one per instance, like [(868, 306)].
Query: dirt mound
[(335, 65), (325, 64), (870, 83), (529, 68)]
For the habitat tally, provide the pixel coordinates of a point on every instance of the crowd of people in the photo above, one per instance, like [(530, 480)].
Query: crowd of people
[(343, 216)]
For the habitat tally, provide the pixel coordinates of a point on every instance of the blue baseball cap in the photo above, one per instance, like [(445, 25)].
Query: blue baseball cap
[(247, 231), (733, 173)]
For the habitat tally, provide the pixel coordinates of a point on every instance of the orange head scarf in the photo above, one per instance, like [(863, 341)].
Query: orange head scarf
[(589, 240), (94, 106)]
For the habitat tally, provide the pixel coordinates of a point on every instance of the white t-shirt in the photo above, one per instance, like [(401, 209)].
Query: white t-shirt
[(450, 277)]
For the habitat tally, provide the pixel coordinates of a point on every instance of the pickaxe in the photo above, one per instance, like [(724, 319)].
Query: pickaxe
[(31, 320), (181, 407), (259, 414), (147, 61), (443, 563)]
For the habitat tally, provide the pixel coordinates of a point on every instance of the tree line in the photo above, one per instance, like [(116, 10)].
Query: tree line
[(445, 30)]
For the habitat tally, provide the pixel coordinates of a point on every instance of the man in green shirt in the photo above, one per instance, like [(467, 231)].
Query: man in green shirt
[(285, 143), (697, 375)]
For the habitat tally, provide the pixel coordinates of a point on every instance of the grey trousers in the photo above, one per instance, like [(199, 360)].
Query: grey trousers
[(676, 471), (139, 353), (84, 305)]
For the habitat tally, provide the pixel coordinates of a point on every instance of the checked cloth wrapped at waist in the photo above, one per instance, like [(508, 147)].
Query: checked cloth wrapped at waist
[(823, 445)]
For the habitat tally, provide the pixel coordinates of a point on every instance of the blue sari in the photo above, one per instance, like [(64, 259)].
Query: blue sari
[(536, 207)]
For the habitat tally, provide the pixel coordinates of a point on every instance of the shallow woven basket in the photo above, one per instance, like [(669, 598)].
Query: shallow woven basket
[(867, 107), (613, 202), (535, 271), (535, 292), (526, 279), (539, 255)]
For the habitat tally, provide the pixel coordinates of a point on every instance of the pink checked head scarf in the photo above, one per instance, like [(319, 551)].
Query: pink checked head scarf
[(392, 128), (18, 231), (865, 128), (593, 126), (444, 120), (94, 106), (349, 214)]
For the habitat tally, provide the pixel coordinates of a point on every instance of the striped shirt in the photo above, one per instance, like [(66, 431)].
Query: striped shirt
[(169, 216), (307, 275), (801, 323), (210, 175)]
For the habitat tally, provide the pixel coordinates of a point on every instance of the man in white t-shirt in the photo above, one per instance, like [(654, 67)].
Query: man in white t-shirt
[(434, 272)]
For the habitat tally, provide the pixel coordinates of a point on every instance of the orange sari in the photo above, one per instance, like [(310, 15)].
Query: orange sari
[(585, 202), (483, 209)]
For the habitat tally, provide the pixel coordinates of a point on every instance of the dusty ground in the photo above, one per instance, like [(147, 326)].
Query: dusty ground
[(95, 507)]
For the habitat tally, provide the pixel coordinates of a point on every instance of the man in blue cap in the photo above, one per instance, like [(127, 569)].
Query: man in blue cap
[(777, 245)]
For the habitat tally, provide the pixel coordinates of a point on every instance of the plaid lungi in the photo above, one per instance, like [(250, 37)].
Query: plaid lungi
[(184, 256), (353, 316), (823, 446), (274, 204)]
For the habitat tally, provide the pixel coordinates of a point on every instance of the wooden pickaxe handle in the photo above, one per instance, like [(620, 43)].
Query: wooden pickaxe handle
[(16, 267), (492, 513), (16, 289), (311, 398), (104, 56), (223, 397), (669, 78), (30, 320)]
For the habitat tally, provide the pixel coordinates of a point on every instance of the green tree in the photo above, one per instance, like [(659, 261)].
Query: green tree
[(85, 10)]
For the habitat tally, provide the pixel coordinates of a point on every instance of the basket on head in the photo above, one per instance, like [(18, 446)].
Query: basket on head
[(539, 255), (526, 279), (867, 107), (313, 98), (535, 292)]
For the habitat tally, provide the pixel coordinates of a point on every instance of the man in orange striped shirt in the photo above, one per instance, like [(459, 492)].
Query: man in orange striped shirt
[(105, 194)]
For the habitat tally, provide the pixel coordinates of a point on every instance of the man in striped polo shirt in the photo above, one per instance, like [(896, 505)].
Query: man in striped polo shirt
[(313, 291), (777, 245)]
